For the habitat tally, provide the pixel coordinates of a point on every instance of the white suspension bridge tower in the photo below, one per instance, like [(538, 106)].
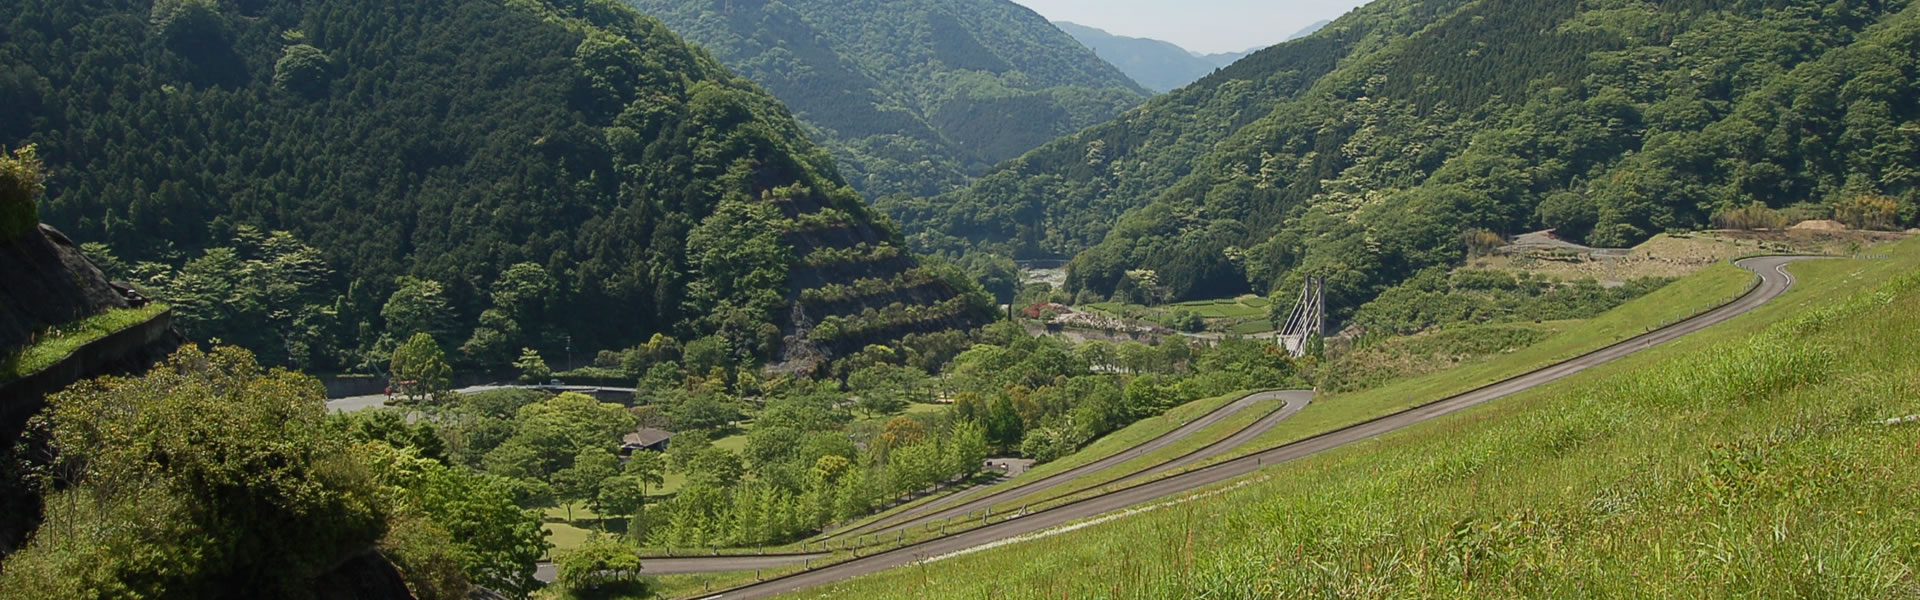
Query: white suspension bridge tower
[(1309, 317)]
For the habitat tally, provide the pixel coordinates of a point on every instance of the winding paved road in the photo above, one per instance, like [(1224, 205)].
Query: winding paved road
[(1295, 400), (1774, 281)]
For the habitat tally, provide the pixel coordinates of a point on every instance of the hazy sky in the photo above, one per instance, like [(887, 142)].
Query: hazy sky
[(1205, 26)]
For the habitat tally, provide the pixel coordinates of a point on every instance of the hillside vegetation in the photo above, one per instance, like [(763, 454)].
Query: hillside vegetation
[(499, 175), (1368, 150), (911, 96), (1752, 460)]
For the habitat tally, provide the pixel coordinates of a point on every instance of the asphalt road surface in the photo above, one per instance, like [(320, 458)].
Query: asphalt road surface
[(1774, 281)]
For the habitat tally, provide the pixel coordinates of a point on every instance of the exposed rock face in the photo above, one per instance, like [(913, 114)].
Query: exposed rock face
[(45, 281)]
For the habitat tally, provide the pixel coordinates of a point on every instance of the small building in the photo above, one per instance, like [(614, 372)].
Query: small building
[(647, 438)]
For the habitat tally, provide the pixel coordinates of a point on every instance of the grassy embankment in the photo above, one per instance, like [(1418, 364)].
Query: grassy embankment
[(1753, 459), (1572, 338), (1329, 411), (55, 344), (1113, 443)]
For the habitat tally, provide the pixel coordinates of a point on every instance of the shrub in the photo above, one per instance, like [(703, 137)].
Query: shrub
[(1481, 242), (1868, 212), (1751, 217), (22, 178), (205, 472)]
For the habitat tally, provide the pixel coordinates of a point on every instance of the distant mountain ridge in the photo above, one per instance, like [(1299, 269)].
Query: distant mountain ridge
[(911, 96), (1367, 152), (1160, 66), (1223, 59)]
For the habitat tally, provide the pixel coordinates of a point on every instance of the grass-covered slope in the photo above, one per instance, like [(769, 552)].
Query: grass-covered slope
[(1367, 150), (1750, 460), (444, 140), (911, 96), (1754, 459)]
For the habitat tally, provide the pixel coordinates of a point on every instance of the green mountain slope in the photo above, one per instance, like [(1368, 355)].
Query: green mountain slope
[(1161, 66), (1409, 123), (635, 185), (911, 96)]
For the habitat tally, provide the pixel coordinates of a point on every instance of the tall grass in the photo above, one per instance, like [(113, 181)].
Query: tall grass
[(1752, 460)]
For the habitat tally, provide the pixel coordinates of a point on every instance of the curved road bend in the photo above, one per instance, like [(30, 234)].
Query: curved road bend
[(1295, 400), (1774, 281)]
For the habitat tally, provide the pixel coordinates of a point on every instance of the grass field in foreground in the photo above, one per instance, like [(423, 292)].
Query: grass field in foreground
[(1753, 459), (51, 346)]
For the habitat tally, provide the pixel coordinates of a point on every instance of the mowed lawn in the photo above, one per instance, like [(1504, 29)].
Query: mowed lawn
[(1754, 459)]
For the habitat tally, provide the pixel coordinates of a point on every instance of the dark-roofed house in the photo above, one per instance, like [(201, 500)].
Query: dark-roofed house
[(646, 438)]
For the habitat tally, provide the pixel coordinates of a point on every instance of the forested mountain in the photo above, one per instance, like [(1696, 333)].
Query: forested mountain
[(319, 179), (911, 96), (1161, 66), (1367, 150)]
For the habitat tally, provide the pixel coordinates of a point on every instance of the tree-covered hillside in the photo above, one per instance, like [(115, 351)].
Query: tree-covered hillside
[(1161, 66), (496, 174), (911, 96), (1367, 150)]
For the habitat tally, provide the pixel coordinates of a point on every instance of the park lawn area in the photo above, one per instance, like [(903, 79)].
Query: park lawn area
[(51, 346), (735, 443), (1753, 459), (913, 408), (1241, 308), (567, 535), (1245, 315)]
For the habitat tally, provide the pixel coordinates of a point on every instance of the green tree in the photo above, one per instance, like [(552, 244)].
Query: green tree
[(621, 495), (533, 369), (196, 475), (648, 468), (550, 435), (495, 542), (1187, 321), (22, 179), (602, 567), (419, 369), (180, 20), (302, 69), (969, 450), (717, 467), (418, 306), (887, 389), (581, 481)]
